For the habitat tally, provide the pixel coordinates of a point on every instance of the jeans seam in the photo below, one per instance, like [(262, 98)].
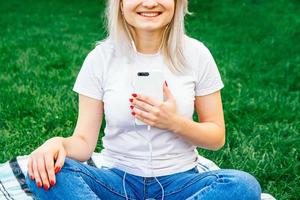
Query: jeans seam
[(192, 182), (87, 187), (103, 184), (207, 188), (203, 190)]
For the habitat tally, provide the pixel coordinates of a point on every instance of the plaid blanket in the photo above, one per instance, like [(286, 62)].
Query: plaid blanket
[(14, 187)]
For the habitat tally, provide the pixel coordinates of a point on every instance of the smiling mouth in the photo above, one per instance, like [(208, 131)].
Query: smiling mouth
[(149, 14)]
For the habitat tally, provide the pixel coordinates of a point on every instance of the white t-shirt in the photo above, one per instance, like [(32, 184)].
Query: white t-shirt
[(107, 76)]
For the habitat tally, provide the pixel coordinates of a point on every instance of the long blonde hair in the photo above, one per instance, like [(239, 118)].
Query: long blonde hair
[(172, 41)]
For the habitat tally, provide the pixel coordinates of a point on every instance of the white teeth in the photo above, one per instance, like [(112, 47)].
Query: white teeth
[(149, 14)]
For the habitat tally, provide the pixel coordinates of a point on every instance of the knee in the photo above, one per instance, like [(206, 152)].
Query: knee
[(70, 163), (246, 185), (68, 168)]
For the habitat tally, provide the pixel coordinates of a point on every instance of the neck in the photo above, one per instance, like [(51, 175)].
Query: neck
[(147, 42)]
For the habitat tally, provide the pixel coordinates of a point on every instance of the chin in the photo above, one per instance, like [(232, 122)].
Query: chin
[(150, 28)]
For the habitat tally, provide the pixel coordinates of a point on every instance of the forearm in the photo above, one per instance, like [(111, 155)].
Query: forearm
[(77, 148), (207, 135)]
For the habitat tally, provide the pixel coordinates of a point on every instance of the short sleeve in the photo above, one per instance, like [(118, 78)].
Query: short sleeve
[(89, 79), (209, 79)]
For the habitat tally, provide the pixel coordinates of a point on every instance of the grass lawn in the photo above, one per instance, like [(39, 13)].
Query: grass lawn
[(255, 44)]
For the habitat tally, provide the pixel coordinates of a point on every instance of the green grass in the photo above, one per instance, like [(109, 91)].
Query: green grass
[(255, 44)]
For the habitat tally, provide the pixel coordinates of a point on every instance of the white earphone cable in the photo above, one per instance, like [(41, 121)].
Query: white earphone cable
[(148, 127)]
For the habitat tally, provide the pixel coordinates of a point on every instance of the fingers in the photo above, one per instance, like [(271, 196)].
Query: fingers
[(143, 106), (36, 173), (167, 92), (41, 165), (42, 172), (152, 111), (29, 167), (49, 165), (60, 160), (144, 117), (41, 168), (139, 114), (145, 110), (146, 99)]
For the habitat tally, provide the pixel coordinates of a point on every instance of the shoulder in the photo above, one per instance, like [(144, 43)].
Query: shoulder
[(101, 50), (100, 55), (196, 49)]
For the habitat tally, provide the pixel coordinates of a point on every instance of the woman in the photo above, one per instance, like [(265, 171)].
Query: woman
[(140, 162)]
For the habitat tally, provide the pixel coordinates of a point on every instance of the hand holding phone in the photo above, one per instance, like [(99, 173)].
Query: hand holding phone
[(149, 83)]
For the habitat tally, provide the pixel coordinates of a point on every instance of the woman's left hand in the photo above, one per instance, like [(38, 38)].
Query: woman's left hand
[(155, 113)]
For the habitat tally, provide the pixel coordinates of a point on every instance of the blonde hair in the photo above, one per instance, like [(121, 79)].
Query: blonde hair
[(172, 40)]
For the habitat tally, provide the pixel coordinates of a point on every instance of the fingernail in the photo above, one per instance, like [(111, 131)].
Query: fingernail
[(52, 182), (39, 184), (131, 107), (134, 95), (131, 100), (133, 113), (46, 187), (31, 177), (57, 170), (166, 83)]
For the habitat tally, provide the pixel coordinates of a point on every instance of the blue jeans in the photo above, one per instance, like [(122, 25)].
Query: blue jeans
[(80, 181)]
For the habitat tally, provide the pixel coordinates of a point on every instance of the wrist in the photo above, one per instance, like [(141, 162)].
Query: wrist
[(58, 140), (176, 124), (64, 141)]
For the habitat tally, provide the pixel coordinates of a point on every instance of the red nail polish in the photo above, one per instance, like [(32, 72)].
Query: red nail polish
[(46, 187), (166, 83), (57, 170), (39, 184), (134, 95), (52, 182), (31, 177), (133, 113), (131, 107), (131, 100)]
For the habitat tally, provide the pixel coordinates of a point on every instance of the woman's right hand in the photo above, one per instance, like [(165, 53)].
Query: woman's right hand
[(46, 161)]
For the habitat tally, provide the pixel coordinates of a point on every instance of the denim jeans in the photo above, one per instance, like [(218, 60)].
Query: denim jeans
[(80, 181)]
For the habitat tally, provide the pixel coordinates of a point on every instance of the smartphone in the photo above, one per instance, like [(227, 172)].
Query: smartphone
[(149, 83)]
